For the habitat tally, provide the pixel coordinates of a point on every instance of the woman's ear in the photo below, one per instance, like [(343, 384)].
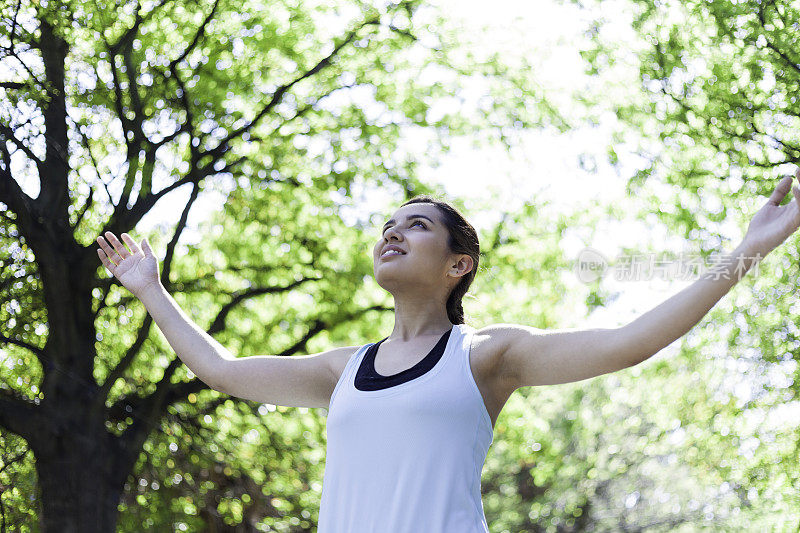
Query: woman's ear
[(462, 267)]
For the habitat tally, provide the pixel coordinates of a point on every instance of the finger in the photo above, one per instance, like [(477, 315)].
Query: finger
[(104, 259), (131, 243), (109, 252), (146, 247), (780, 191), (796, 193), (110, 261), (118, 246)]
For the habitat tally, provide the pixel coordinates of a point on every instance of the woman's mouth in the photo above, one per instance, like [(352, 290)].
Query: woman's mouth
[(391, 253)]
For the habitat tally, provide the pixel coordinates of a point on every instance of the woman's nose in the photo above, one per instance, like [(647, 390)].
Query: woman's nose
[(391, 232)]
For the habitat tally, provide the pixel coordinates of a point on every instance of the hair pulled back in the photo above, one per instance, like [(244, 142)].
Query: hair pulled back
[(463, 239)]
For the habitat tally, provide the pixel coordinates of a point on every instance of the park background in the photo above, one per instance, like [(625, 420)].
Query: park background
[(260, 146)]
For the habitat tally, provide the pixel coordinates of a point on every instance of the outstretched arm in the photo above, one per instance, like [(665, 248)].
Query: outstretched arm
[(532, 356)]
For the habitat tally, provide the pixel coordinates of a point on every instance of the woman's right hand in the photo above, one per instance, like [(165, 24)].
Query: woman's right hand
[(137, 269)]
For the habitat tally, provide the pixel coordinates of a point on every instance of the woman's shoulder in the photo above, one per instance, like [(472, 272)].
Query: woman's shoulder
[(490, 343), (339, 358), (494, 377), (499, 336)]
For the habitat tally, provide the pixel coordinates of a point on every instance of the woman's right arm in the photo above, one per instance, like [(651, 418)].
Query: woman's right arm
[(198, 350), (296, 381), (292, 381)]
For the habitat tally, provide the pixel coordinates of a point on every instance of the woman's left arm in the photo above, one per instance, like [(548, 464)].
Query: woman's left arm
[(531, 356)]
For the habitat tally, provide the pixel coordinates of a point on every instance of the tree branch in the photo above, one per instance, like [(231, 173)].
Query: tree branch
[(7, 132), (147, 411), (15, 198), (281, 91), (130, 354), (144, 330), (179, 227), (196, 173), (53, 198), (123, 219), (22, 344), (319, 325), (240, 296), (727, 133), (770, 44), (95, 164), (197, 36), (17, 414), (36, 80), (85, 208)]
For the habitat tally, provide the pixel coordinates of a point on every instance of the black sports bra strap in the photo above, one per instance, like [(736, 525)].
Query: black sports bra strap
[(367, 378)]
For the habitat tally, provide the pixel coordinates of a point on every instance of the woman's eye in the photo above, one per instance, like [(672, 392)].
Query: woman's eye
[(410, 226)]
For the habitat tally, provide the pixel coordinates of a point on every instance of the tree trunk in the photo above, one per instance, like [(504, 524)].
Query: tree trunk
[(80, 482)]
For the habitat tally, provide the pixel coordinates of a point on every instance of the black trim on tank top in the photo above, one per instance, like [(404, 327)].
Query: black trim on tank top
[(367, 378)]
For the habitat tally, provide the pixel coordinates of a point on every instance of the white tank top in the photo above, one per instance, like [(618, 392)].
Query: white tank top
[(407, 458)]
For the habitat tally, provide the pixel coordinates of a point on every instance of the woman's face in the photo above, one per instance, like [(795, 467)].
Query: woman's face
[(425, 259)]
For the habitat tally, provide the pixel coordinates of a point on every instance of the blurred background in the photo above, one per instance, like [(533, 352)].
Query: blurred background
[(260, 146)]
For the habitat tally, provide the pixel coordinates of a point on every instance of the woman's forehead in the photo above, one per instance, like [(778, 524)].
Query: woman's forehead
[(427, 209)]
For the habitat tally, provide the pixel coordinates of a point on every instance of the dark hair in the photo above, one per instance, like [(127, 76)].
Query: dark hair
[(463, 239)]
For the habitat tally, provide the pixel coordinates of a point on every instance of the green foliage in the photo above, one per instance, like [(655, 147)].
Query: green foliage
[(294, 146), (289, 116), (706, 95), (17, 484)]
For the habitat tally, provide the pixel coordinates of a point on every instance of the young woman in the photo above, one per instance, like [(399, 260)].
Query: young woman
[(411, 416)]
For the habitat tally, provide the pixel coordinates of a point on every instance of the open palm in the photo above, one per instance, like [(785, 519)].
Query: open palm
[(774, 223), (136, 269)]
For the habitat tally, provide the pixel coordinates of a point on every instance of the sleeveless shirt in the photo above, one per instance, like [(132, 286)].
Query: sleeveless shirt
[(405, 452)]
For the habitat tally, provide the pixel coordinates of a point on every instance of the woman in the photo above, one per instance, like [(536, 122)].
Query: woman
[(411, 417)]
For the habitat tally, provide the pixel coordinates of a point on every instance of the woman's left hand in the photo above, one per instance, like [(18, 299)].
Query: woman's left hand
[(774, 223)]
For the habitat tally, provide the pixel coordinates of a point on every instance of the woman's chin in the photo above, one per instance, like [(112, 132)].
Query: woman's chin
[(395, 280)]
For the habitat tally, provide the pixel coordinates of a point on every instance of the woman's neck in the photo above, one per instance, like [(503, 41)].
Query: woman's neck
[(417, 318)]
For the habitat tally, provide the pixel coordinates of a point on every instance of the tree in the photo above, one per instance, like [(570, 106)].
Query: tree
[(710, 105), (287, 112)]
